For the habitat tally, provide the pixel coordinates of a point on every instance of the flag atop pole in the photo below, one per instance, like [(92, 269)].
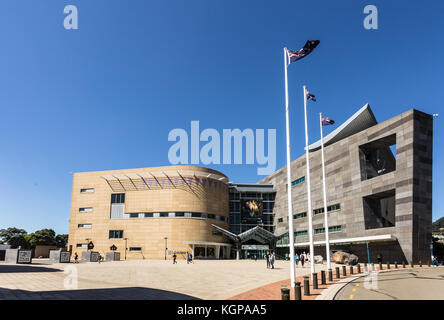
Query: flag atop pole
[(290, 208), (309, 46), (325, 122), (293, 56), (309, 211)]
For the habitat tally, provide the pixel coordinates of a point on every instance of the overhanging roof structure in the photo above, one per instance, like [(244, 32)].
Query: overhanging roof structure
[(356, 240), (252, 187), (148, 180), (257, 233), (361, 120)]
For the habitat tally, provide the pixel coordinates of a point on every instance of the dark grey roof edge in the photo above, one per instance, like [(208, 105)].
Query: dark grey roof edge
[(336, 134)]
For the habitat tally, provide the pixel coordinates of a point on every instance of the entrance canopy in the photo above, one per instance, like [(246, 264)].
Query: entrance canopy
[(257, 233)]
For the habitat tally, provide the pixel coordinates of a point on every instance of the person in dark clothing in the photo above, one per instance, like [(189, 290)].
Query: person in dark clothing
[(379, 258), (174, 258), (76, 258), (267, 257)]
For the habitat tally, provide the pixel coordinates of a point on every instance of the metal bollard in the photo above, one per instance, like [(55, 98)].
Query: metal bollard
[(420, 263), (366, 268), (337, 273), (388, 265), (306, 286), (323, 277), (373, 267), (359, 268), (411, 264), (315, 280), (344, 271), (351, 269), (403, 264), (380, 266), (396, 264), (330, 275), (297, 291), (285, 294)]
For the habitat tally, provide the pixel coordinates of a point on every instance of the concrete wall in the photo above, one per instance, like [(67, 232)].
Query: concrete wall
[(412, 182)]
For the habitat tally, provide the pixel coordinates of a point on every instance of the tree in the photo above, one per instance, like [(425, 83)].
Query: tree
[(44, 237), (12, 236), (61, 240)]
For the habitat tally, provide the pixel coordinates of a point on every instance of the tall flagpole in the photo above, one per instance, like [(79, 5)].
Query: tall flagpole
[(290, 209), (327, 243), (310, 211)]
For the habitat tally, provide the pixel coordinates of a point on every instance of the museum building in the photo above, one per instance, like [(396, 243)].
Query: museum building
[(379, 189), (379, 194), (150, 213)]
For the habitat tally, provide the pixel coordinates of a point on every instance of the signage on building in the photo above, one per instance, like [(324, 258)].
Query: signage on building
[(176, 252), (255, 247), (251, 210)]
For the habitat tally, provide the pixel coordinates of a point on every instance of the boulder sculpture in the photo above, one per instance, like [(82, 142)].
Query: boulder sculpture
[(318, 259), (342, 257)]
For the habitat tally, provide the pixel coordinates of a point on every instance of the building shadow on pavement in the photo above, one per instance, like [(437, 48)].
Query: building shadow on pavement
[(130, 293), (25, 268)]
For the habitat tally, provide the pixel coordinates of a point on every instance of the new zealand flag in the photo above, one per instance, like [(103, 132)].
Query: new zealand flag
[(310, 45), (327, 121), (311, 96)]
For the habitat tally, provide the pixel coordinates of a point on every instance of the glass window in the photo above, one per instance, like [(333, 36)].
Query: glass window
[(300, 215), (297, 181), (234, 219), (211, 216), (333, 207), (84, 225), (335, 229), (280, 220), (87, 190), (148, 214), (118, 198), (116, 234), (82, 245), (196, 215), (163, 214), (180, 214), (85, 209), (135, 249), (134, 215)]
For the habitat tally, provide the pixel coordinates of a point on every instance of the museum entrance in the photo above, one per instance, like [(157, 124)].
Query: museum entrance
[(249, 251)]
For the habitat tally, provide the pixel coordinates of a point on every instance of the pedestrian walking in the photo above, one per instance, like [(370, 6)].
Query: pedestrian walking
[(296, 259), (302, 258), (174, 258), (99, 258), (76, 258), (267, 257), (272, 257)]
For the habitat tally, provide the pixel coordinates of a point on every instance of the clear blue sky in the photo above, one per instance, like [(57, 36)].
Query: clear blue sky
[(106, 96)]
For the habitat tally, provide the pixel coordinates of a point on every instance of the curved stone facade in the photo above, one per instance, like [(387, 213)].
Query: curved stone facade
[(137, 209)]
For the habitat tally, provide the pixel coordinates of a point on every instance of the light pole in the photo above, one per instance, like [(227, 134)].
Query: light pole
[(166, 247), (126, 239)]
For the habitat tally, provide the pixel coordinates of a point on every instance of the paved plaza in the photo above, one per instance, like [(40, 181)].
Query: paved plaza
[(141, 279)]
